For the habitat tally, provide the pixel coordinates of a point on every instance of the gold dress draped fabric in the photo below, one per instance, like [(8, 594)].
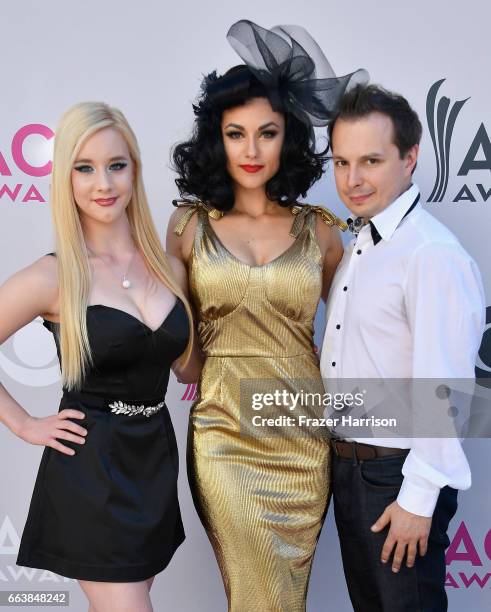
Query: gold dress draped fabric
[(261, 499)]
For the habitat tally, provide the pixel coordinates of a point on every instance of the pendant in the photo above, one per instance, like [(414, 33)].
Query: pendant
[(126, 283)]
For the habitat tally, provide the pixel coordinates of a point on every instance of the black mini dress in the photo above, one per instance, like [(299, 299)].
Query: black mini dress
[(110, 512)]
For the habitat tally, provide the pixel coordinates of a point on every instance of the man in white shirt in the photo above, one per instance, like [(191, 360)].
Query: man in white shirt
[(406, 303)]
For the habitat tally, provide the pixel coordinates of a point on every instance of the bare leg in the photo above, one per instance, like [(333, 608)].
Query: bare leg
[(118, 596)]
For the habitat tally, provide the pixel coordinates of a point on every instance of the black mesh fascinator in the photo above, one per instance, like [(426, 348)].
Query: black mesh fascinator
[(293, 69)]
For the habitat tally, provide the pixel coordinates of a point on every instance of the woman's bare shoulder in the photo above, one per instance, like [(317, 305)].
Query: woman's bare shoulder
[(41, 275), (29, 293)]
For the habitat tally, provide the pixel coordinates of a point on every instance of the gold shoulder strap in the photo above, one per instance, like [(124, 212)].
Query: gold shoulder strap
[(192, 207), (302, 210)]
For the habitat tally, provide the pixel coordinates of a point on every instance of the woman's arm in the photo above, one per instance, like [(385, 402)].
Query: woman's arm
[(30, 293), (331, 247), (189, 373)]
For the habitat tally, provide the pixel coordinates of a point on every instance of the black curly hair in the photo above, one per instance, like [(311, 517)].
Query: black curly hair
[(201, 161)]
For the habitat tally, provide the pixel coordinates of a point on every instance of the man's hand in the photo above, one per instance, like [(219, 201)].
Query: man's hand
[(406, 530)]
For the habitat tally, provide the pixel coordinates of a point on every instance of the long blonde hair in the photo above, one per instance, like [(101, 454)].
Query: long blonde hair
[(76, 126)]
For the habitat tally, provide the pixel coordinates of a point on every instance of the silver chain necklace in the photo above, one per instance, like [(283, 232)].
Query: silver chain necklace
[(125, 281)]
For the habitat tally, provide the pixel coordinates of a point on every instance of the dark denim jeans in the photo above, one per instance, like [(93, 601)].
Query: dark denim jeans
[(361, 492)]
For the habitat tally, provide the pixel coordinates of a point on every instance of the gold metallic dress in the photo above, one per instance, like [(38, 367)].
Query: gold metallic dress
[(262, 500)]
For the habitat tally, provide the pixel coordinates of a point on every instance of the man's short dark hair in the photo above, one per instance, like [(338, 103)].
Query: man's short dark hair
[(363, 100)]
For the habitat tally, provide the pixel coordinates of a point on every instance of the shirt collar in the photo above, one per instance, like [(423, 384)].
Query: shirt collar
[(388, 220)]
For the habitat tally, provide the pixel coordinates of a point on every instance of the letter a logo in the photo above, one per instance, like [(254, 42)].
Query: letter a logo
[(9, 540)]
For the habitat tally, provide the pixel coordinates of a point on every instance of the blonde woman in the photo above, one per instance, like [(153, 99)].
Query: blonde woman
[(104, 508)]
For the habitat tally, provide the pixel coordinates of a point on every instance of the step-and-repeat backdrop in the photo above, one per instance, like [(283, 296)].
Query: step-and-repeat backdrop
[(148, 59)]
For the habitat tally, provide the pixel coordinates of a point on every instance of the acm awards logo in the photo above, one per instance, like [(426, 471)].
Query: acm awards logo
[(442, 116), (29, 153), (470, 558)]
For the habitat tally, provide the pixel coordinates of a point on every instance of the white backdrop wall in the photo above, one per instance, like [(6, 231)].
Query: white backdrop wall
[(148, 58)]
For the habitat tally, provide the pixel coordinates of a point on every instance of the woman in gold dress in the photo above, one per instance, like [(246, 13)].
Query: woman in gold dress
[(258, 262)]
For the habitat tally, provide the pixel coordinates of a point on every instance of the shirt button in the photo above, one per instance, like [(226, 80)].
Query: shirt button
[(358, 252), (333, 363), (345, 288), (338, 326)]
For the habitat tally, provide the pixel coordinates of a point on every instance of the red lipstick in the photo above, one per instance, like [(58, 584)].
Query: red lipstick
[(105, 201), (251, 168)]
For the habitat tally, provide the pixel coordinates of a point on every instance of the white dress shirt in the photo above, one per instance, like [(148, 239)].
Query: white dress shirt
[(411, 306)]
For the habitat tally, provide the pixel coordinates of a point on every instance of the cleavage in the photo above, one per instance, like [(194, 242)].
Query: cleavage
[(149, 308), (244, 248)]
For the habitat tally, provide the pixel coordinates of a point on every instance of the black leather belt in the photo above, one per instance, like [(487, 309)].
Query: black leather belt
[(364, 452)]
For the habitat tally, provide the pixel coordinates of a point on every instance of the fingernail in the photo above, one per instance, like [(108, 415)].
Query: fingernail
[(395, 570)]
